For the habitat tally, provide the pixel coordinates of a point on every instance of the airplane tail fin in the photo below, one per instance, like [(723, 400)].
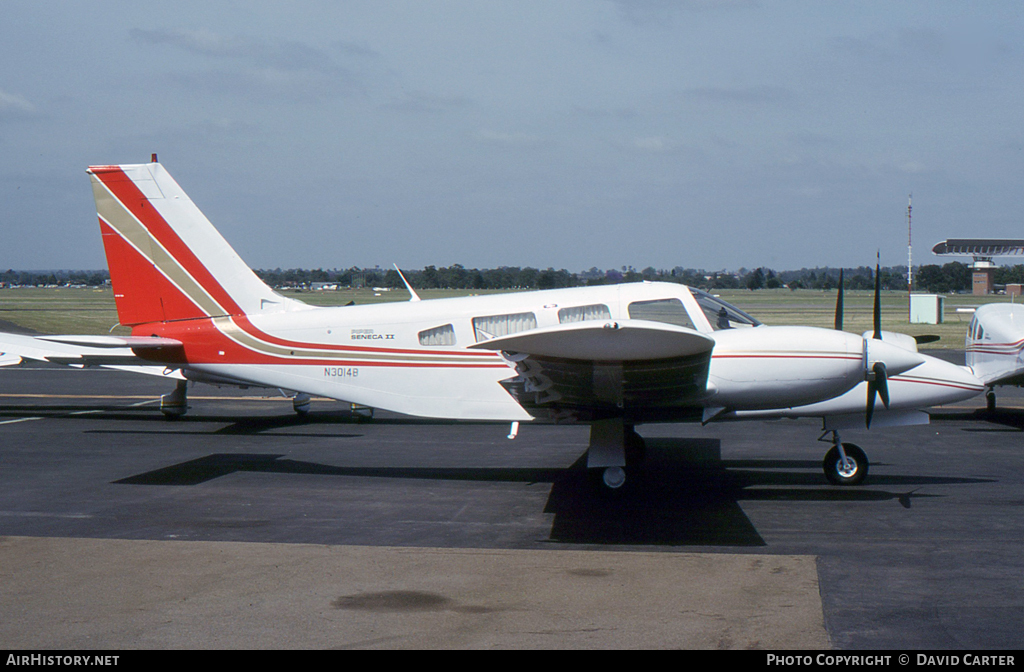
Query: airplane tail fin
[(167, 262)]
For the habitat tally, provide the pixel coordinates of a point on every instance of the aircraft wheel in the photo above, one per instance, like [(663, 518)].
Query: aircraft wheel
[(990, 401), (609, 481), (173, 411), (852, 473), (175, 404), (300, 404)]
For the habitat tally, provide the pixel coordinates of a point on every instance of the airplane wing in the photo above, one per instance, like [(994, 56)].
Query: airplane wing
[(589, 368), (1015, 377), (116, 352)]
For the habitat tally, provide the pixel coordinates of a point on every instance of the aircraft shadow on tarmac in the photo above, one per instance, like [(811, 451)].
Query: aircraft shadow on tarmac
[(1010, 418), (683, 494)]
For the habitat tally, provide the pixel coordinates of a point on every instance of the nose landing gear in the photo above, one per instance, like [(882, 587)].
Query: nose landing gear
[(844, 463), (615, 450)]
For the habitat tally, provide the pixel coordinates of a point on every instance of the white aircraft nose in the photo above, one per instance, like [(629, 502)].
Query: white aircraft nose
[(897, 360)]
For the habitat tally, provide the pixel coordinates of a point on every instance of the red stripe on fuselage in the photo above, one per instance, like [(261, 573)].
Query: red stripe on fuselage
[(803, 356), (247, 326), (938, 383), (204, 343)]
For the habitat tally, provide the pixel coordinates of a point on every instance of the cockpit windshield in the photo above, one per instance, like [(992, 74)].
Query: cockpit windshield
[(720, 314)]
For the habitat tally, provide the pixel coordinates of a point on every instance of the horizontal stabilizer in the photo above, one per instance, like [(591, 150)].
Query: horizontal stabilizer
[(9, 359), (134, 342), (87, 350), (604, 340)]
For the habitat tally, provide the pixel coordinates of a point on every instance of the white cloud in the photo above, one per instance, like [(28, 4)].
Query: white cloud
[(13, 105), (515, 139), (653, 144), (660, 11)]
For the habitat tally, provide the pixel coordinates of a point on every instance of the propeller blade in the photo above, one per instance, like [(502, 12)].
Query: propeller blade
[(881, 382), (878, 386), (839, 303), (878, 300), (871, 406)]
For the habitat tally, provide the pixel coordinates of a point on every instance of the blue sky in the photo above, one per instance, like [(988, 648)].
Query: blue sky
[(568, 134)]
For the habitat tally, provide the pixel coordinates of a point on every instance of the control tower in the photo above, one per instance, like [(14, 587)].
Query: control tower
[(982, 250)]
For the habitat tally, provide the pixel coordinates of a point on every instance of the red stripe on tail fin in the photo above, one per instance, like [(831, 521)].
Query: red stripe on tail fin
[(167, 261), (141, 292)]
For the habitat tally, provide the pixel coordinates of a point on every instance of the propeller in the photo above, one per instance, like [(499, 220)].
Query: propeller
[(839, 303), (876, 376), (878, 298), (878, 385)]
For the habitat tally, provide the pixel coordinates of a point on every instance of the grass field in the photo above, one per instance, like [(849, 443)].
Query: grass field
[(92, 311)]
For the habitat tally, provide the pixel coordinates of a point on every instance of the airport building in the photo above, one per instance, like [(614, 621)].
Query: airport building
[(983, 250)]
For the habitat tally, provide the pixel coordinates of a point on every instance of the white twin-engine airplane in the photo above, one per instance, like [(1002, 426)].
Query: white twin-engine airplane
[(611, 356), (995, 347)]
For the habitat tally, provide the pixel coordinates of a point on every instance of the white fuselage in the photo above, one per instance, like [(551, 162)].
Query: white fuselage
[(995, 342), (390, 356)]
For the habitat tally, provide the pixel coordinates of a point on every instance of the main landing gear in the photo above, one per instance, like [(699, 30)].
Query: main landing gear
[(300, 403), (614, 453), (844, 463), (175, 404)]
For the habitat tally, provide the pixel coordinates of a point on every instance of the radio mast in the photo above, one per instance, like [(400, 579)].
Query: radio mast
[(910, 261)]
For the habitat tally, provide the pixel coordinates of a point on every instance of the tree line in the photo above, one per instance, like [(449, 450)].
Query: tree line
[(952, 277), (12, 278)]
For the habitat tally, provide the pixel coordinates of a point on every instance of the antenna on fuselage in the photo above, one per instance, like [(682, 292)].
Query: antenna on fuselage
[(415, 296)]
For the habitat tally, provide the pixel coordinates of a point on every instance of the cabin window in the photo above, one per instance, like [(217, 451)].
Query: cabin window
[(444, 335), (975, 330), (495, 326), (669, 311), (598, 311), (720, 314)]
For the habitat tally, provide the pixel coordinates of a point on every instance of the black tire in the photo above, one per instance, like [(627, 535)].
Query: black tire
[(837, 474), (612, 482)]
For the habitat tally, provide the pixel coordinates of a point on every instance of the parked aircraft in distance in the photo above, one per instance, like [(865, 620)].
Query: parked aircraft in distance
[(995, 347), (614, 357)]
